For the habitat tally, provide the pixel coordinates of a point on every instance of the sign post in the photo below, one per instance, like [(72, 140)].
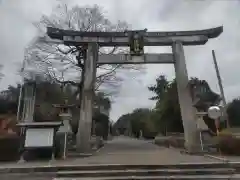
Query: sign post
[(37, 135)]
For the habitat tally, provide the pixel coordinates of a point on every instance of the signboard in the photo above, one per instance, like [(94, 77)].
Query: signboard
[(39, 137), (136, 44)]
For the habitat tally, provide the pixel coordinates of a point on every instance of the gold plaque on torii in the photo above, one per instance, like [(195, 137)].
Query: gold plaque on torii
[(136, 44)]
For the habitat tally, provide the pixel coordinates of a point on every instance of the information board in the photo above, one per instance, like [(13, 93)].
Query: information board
[(39, 137)]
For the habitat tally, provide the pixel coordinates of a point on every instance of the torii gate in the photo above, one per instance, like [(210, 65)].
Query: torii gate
[(136, 40)]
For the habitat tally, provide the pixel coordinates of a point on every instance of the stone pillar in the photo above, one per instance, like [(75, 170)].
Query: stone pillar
[(86, 110), (29, 103), (185, 100)]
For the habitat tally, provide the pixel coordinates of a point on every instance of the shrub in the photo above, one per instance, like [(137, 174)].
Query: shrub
[(149, 135), (170, 141), (9, 147), (228, 143), (161, 141), (38, 154), (177, 142)]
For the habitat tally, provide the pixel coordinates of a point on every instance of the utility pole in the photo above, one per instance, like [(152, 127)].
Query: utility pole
[(220, 86)]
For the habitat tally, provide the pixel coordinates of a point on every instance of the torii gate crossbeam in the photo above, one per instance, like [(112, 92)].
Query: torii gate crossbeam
[(197, 37)]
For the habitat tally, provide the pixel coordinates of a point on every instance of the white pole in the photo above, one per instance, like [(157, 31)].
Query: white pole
[(19, 103), (201, 141), (65, 145)]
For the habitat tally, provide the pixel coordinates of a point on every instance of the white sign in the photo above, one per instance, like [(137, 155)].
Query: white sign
[(39, 137)]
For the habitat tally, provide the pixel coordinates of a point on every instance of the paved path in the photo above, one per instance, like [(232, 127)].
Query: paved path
[(125, 150), (121, 150), (123, 144)]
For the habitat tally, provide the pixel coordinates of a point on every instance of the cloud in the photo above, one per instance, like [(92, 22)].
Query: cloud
[(16, 31), (193, 15)]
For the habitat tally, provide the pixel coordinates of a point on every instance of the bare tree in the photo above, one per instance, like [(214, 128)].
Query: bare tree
[(59, 62), (64, 64)]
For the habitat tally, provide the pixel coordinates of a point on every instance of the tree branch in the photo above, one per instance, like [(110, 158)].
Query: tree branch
[(67, 82), (114, 69), (55, 56), (64, 52)]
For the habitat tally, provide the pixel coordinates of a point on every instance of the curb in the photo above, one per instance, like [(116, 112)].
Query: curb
[(82, 155), (225, 160), (204, 154), (217, 158), (55, 168), (99, 149), (46, 166)]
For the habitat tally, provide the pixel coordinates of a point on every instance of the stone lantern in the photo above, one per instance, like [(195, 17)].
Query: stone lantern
[(66, 117)]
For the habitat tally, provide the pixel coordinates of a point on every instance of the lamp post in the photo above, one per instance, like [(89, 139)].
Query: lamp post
[(215, 113)]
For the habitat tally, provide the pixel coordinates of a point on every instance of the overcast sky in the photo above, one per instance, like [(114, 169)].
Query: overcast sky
[(16, 17)]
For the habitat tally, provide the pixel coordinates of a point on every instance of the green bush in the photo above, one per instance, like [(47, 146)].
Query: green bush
[(228, 144), (170, 141), (161, 141), (9, 148), (38, 154), (176, 142), (149, 135)]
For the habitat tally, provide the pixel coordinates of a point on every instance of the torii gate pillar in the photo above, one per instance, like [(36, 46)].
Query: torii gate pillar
[(185, 100), (86, 110)]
